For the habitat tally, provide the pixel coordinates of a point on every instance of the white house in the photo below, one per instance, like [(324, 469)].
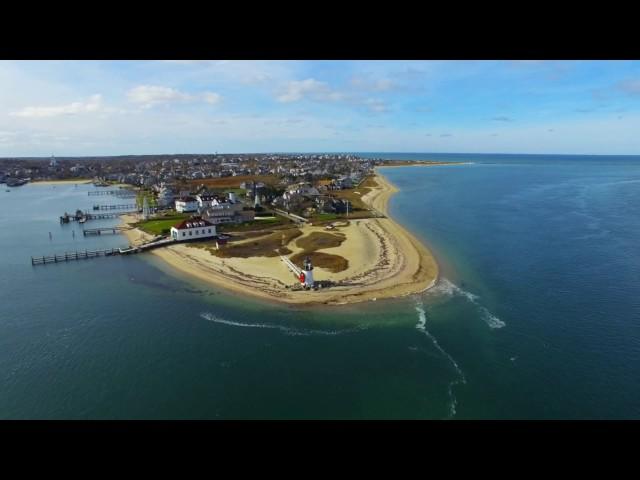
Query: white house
[(193, 228), (186, 204), (205, 200)]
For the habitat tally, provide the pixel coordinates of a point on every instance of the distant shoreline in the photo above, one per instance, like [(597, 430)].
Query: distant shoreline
[(61, 182), (417, 163), (385, 261)]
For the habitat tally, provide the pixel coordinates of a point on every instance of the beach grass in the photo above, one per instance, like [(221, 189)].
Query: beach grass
[(328, 261), (162, 225), (270, 245), (318, 240)]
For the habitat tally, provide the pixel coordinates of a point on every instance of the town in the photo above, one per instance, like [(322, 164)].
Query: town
[(304, 185), (295, 209)]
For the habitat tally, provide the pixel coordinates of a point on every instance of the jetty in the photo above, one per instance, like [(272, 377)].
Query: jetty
[(68, 256), (81, 217), (79, 255), (123, 192), (100, 231), (116, 207)]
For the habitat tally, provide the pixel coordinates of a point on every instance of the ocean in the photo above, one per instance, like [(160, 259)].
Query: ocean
[(536, 314)]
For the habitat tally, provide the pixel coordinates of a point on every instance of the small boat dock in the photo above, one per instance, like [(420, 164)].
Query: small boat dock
[(101, 231), (121, 192), (80, 216), (116, 207), (68, 256)]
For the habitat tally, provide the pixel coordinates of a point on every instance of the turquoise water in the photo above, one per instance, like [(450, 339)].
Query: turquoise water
[(537, 314)]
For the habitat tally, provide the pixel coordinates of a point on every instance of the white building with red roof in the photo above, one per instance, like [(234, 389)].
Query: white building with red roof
[(193, 229)]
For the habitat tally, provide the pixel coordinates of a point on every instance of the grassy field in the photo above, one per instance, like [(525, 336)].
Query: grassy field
[(267, 223), (318, 240), (323, 218), (333, 263), (161, 225), (269, 245)]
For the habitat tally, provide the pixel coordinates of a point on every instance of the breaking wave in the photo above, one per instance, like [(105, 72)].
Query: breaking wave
[(490, 319), (447, 288), (421, 325), (286, 330)]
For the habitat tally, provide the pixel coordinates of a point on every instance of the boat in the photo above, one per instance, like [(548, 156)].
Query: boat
[(15, 182), (82, 220)]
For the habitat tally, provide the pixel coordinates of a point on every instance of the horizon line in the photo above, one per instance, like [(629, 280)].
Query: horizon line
[(318, 152)]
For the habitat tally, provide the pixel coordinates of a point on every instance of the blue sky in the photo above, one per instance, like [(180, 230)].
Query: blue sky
[(143, 107)]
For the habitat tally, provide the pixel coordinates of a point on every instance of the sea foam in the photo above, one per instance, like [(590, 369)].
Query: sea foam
[(421, 325), (286, 330), (445, 287)]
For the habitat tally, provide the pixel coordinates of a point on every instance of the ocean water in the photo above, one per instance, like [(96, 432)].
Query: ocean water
[(536, 314)]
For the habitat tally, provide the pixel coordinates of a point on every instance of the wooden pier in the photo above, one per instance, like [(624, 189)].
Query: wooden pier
[(119, 193), (68, 256), (115, 207), (92, 216), (101, 231)]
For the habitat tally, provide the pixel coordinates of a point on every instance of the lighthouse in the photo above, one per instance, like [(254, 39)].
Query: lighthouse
[(306, 275)]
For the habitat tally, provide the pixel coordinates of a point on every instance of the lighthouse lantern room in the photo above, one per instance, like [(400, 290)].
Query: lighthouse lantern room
[(306, 275)]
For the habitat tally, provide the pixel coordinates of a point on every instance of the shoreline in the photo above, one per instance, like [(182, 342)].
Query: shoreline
[(61, 182), (385, 261)]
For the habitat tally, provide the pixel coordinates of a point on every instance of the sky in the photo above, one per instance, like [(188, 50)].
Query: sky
[(75, 108)]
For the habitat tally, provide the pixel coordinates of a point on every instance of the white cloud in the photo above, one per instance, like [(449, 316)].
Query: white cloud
[(93, 104), (149, 95), (379, 85), (211, 97), (298, 89), (376, 105)]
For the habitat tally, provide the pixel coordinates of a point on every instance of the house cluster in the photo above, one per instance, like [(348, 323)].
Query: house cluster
[(216, 209), (307, 199), (150, 170)]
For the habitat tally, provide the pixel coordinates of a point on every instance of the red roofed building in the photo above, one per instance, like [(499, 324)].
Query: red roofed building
[(192, 229)]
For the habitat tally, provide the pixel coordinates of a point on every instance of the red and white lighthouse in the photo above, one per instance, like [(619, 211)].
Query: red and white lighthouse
[(306, 275)]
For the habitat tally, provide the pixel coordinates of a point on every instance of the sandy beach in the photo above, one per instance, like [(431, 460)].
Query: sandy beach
[(61, 182), (384, 261)]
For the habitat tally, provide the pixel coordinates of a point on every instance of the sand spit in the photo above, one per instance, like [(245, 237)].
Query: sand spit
[(385, 261)]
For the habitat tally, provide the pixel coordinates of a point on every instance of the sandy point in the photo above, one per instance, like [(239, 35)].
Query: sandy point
[(385, 261)]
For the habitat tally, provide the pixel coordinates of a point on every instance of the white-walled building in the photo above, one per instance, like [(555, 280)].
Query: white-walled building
[(205, 200), (186, 204), (193, 228)]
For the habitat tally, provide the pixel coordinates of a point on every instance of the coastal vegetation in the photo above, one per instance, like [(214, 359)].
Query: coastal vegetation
[(149, 195), (318, 240), (257, 224), (160, 225), (271, 245), (329, 261)]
